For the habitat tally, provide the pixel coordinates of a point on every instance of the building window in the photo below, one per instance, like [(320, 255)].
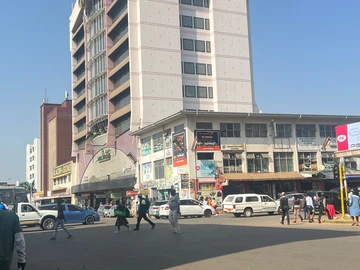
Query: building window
[(208, 46), (199, 45), (159, 169), (179, 128), (211, 94), (200, 69), (283, 130), (186, 2), (207, 24), (230, 130), (258, 162), (206, 3), (209, 69), (201, 92), (283, 162), (190, 91), (187, 21), (351, 164), (158, 142), (327, 131), (307, 162), (189, 68), (198, 23), (305, 131), (256, 130), (199, 3), (203, 125), (146, 146), (232, 162), (328, 160), (188, 44)]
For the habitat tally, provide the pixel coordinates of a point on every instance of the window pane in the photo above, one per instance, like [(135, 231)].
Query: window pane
[(207, 24), (200, 69), (210, 92), (186, 2), (188, 44), (201, 92), (209, 69), (199, 3), (208, 46), (189, 68), (190, 91), (199, 46), (198, 23), (187, 21), (206, 3)]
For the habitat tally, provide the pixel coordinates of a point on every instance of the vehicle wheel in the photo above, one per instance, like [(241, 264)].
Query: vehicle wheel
[(157, 217), (271, 213), (48, 224), (207, 213), (237, 215), (90, 220), (248, 212)]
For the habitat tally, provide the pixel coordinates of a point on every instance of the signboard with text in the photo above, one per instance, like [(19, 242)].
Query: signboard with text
[(179, 155), (205, 168), (207, 140), (348, 137)]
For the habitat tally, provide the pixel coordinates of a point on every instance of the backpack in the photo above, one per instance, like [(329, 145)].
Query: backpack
[(147, 204)]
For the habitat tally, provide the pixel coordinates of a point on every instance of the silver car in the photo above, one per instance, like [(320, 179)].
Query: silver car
[(104, 210), (154, 209)]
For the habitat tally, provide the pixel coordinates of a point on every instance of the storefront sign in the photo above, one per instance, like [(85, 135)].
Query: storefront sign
[(146, 146), (145, 192), (104, 156), (207, 140), (348, 137), (232, 147), (131, 193), (147, 171), (62, 170), (205, 168), (184, 181), (307, 143), (206, 187), (180, 156)]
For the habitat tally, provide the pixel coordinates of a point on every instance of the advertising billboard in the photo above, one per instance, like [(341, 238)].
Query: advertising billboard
[(205, 168), (180, 157), (348, 137), (207, 140)]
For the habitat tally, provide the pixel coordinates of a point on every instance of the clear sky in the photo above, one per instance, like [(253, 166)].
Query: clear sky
[(306, 57)]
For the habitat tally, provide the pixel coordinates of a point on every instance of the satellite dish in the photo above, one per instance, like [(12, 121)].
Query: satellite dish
[(81, 3)]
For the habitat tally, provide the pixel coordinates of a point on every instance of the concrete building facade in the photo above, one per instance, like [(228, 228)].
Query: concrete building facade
[(33, 163), (218, 153)]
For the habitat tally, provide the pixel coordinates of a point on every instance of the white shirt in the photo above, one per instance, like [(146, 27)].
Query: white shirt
[(205, 202), (309, 201)]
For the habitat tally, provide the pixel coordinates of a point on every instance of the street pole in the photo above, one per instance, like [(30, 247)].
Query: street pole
[(342, 193), (343, 170)]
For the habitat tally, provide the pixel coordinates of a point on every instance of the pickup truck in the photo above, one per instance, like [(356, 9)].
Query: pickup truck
[(31, 216)]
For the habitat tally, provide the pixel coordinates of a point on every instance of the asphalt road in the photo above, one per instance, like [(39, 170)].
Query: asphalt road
[(222, 242)]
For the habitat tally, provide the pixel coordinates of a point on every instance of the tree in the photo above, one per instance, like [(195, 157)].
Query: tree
[(29, 187)]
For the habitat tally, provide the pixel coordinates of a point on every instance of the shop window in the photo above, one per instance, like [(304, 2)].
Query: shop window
[(232, 162), (307, 162), (230, 130), (158, 142), (328, 160), (256, 130), (159, 169), (305, 131), (283, 162), (327, 131), (283, 130), (258, 162)]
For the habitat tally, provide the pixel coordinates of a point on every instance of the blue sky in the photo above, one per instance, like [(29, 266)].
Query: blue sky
[(306, 57)]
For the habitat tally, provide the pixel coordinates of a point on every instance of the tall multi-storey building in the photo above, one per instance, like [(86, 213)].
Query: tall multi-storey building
[(136, 62), (33, 163)]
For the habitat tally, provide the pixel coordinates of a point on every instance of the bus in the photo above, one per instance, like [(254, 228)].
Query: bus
[(12, 195)]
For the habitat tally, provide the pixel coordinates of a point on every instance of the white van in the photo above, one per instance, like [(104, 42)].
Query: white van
[(247, 204)]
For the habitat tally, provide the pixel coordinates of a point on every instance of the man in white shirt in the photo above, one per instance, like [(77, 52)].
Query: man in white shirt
[(310, 208)]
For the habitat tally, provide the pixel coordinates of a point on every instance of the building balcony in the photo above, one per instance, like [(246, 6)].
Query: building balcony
[(118, 44), (79, 99), (119, 66), (79, 135), (79, 80), (80, 63), (79, 117), (119, 113), (119, 90), (78, 46), (117, 21)]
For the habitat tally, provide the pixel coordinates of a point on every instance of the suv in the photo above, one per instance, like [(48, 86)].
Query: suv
[(247, 204)]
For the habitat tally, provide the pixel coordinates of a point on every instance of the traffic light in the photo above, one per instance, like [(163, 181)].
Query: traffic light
[(336, 172)]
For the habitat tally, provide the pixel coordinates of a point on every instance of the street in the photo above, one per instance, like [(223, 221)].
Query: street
[(221, 242)]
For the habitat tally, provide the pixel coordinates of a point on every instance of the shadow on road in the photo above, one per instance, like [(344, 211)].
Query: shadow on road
[(100, 248)]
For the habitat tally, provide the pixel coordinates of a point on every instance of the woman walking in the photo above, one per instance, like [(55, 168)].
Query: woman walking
[(354, 208), (330, 207), (296, 208), (121, 220)]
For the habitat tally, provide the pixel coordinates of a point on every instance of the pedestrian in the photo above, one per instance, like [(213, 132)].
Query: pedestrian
[(330, 207), (354, 207), (322, 207), (214, 205), (284, 205), (143, 208), (310, 208), (5, 206), (174, 205), (205, 202), (296, 209), (60, 220), (11, 236), (122, 220), (303, 206)]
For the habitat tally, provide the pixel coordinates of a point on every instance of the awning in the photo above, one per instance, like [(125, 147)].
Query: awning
[(280, 176)]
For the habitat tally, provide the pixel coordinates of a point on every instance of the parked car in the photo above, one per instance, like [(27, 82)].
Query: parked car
[(247, 204), (74, 213), (291, 197), (104, 210), (154, 210), (189, 208)]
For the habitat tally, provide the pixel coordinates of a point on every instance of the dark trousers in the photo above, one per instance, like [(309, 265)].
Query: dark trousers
[(142, 215), (285, 212), (321, 211)]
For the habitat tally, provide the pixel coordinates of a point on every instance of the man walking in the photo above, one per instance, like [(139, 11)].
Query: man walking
[(310, 208), (284, 205), (11, 235), (144, 205), (322, 207), (60, 220), (174, 205)]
